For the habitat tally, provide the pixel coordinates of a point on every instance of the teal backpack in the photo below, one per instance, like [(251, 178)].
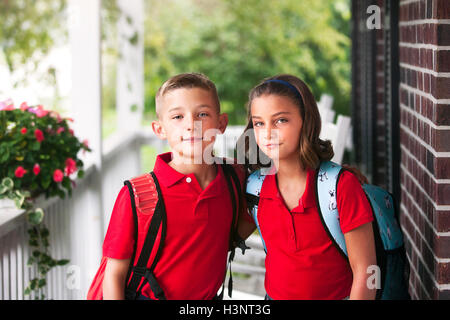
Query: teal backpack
[(390, 250)]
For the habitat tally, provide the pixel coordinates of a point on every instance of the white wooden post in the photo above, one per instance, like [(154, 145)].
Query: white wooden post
[(85, 41), (130, 67)]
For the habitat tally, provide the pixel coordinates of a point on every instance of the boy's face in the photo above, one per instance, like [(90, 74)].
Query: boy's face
[(189, 119)]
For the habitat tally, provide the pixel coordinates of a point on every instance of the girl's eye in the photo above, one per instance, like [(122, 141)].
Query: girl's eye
[(281, 120), (257, 124)]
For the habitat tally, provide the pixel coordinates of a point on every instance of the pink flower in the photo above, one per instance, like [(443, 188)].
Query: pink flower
[(71, 132), (40, 113), (55, 115), (20, 172), (5, 107), (24, 106), (86, 143), (60, 129), (23, 130), (36, 169), (58, 175), (71, 166), (39, 135)]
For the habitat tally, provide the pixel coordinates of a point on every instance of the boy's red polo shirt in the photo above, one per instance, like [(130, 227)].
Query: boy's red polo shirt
[(194, 256), (302, 262)]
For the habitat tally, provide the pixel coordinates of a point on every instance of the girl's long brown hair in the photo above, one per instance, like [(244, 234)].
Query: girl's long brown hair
[(313, 150)]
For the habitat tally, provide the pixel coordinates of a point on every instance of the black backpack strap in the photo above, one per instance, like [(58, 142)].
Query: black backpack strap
[(140, 270), (135, 220), (236, 204)]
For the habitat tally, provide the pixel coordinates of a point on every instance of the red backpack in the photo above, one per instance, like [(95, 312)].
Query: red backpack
[(149, 215)]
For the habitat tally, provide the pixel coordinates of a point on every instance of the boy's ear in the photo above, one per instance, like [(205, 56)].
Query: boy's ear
[(159, 130), (223, 122)]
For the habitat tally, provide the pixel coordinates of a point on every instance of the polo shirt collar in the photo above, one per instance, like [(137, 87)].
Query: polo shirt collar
[(270, 190), (167, 175)]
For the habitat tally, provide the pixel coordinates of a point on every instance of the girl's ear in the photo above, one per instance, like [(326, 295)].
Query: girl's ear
[(158, 129), (223, 122)]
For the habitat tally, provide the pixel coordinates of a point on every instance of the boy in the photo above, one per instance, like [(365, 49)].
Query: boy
[(192, 264)]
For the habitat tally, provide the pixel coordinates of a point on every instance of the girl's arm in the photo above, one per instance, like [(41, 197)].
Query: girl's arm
[(361, 254), (245, 227), (114, 279)]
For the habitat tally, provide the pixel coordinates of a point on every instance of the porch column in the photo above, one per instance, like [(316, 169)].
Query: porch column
[(130, 66), (85, 41)]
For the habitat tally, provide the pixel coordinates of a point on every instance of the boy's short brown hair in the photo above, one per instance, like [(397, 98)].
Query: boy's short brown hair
[(186, 81)]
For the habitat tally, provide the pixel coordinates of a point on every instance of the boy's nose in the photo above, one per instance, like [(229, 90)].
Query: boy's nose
[(193, 125)]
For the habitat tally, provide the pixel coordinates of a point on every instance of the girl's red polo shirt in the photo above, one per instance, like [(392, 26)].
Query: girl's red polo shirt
[(302, 262), (193, 260)]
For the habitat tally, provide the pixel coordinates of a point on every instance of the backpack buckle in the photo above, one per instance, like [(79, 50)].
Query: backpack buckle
[(140, 271)]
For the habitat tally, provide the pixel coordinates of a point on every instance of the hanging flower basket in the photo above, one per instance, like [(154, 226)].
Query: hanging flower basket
[(38, 156)]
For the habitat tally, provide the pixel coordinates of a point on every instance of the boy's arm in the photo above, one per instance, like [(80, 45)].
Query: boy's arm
[(115, 278), (361, 254)]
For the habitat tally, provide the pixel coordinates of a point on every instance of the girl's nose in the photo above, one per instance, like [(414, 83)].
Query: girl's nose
[(271, 134)]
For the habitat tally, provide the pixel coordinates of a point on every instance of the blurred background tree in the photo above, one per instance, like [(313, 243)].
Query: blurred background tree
[(238, 43)]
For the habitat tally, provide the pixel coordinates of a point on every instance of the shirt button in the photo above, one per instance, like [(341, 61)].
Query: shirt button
[(188, 179)]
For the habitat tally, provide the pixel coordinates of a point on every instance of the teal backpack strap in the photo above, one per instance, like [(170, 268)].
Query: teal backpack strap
[(252, 192), (326, 186)]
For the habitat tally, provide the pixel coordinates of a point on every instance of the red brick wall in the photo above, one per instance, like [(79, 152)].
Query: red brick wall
[(424, 31), (379, 176)]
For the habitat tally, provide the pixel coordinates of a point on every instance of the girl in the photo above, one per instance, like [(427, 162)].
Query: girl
[(302, 262)]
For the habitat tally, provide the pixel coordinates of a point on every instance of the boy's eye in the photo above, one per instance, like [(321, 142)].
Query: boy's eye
[(203, 114), (177, 117)]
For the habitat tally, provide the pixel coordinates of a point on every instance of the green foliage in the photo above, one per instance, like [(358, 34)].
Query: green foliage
[(36, 145), (238, 43), (28, 29), (20, 148)]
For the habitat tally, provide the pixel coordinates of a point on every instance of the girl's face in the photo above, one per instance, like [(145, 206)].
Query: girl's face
[(277, 123)]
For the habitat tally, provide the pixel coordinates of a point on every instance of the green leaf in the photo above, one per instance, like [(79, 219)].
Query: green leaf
[(33, 283), (27, 291), (81, 174), (35, 146), (62, 262), (19, 202), (4, 154), (8, 183), (36, 217), (42, 283), (3, 189)]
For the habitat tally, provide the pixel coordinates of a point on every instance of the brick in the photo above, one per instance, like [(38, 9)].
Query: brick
[(443, 34), (442, 247), (440, 140), (430, 162), (442, 273), (443, 195), (441, 168), (443, 295), (429, 9), (442, 9), (441, 87), (441, 116), (442, 220), (442, 58)]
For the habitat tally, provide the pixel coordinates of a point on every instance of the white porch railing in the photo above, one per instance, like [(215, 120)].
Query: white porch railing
[(67, 221)]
